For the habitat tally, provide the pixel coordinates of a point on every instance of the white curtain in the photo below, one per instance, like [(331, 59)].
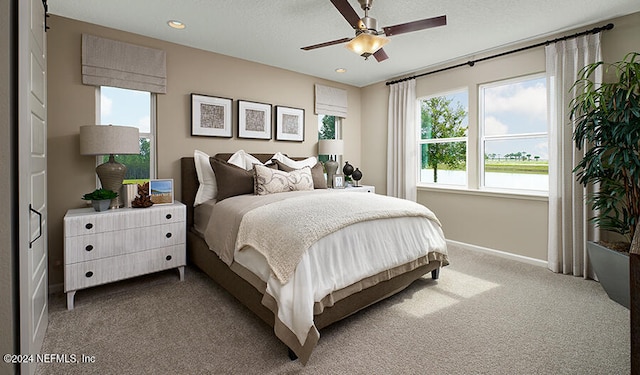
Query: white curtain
[(401, 141), (569, 228)]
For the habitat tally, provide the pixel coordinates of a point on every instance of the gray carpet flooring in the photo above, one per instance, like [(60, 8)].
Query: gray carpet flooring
[(485, 315)]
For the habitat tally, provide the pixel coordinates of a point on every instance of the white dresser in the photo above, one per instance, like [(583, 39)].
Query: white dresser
[(102, 247)]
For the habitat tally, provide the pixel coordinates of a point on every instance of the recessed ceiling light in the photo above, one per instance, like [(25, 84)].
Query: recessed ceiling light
[(176, 24), (341, 70)]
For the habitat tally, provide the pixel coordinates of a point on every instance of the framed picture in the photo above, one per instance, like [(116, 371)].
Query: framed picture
[(338, 181), (211, 116), (289, 124), (161, 191), (254, 120)]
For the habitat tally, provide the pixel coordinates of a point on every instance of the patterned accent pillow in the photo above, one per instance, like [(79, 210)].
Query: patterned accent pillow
[(269, 181)]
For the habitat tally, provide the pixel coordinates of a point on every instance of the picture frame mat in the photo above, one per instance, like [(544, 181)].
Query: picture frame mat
[(219, 109), (289, 124), (254, 120)]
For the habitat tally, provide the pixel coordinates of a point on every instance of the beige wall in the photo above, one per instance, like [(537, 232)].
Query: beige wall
[(189, 70), (508, 224)]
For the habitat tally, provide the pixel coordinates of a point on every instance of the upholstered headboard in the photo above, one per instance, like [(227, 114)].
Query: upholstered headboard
[(190, 179)]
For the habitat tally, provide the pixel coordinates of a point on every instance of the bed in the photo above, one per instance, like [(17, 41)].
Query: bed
[(267, 283)]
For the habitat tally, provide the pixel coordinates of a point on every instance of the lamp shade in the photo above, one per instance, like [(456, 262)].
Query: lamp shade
[(366, 44), (109, 139), (330, 147)]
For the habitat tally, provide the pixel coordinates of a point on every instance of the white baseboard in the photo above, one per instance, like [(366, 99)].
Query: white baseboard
[(503, 254)]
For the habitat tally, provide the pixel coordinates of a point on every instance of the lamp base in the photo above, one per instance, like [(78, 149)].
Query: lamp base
[(331, 166), (111, 175)]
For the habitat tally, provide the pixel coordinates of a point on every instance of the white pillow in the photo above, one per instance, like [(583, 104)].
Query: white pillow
[(243, 160), (208, 188), (297, 164)]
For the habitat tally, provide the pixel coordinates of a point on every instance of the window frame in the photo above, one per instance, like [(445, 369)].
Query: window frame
[(421, 141), (151, 135), (482, 137)]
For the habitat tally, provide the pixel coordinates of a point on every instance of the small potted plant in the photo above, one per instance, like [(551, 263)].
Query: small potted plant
[(100, 198), (607, 125)]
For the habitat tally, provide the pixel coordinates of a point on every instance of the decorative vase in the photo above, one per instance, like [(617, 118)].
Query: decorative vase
[(357, 176), (101, 205), (347, 169)]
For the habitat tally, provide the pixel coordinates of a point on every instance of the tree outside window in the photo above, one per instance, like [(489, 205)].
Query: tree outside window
[(443, 139)]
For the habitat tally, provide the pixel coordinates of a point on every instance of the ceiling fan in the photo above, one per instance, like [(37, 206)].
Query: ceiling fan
[(368, 40)]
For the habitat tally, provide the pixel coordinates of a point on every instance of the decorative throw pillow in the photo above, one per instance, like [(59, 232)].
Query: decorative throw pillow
[(269, 181), (232, 180), (243, 159), (317, 173), (297, 164), (207, 179)]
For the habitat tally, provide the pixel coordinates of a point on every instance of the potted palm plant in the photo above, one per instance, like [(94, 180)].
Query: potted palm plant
[(100, 198), (607, 126)]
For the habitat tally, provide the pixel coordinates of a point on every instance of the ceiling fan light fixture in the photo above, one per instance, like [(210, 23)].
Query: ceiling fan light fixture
[(366, 44)]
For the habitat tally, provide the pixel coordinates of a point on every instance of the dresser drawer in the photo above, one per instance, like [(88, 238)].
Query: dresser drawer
[(107, 244), (100, 271), (86, 221)]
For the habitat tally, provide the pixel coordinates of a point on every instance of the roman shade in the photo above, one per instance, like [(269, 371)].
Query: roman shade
[(107, 62), (331, 101)]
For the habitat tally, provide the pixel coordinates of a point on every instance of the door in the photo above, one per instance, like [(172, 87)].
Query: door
[(32, 175)]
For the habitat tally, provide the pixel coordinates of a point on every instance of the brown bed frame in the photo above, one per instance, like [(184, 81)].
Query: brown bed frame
[(198, 254)]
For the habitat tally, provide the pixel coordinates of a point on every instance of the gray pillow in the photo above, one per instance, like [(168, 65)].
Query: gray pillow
[(317, 172)]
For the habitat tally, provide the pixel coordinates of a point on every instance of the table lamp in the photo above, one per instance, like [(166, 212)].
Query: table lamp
[(110, 140), (331, 147)]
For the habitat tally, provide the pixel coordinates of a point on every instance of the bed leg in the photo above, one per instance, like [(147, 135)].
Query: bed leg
[(435, 274), (291, 354)]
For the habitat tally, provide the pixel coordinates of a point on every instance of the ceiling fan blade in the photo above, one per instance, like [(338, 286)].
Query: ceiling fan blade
[(380, 55), (415, 26), (326, 44), (347, 12)]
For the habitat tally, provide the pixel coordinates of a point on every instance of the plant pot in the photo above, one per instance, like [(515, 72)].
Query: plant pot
[(612, 269), (101, 205)]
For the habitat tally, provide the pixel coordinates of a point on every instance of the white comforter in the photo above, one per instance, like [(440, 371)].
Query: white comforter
[(335, 261)]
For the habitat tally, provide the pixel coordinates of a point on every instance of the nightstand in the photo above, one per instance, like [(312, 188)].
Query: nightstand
[(358, 189), (112, 245)]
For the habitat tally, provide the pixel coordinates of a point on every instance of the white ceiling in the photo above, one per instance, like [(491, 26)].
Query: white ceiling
[(272, 32)]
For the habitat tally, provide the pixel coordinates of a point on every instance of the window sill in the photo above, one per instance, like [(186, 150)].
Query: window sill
[(524, 195)]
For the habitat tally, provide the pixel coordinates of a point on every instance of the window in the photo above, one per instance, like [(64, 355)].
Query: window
[(513, 128), (443, 139), (328, 128), (131, 108)]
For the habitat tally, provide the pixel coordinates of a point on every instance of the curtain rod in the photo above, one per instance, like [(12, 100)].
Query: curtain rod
[(473, 62)]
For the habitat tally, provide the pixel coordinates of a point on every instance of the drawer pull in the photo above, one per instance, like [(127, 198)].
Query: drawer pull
[(89, 274), (89, 226), (168, 216), (168, 235), (89, 247), (168, 257)]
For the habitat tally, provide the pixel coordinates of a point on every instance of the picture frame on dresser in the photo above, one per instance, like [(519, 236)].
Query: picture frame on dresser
[(161, 191), (254, 120), (211, 116), (338, 181), (289, 124)]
